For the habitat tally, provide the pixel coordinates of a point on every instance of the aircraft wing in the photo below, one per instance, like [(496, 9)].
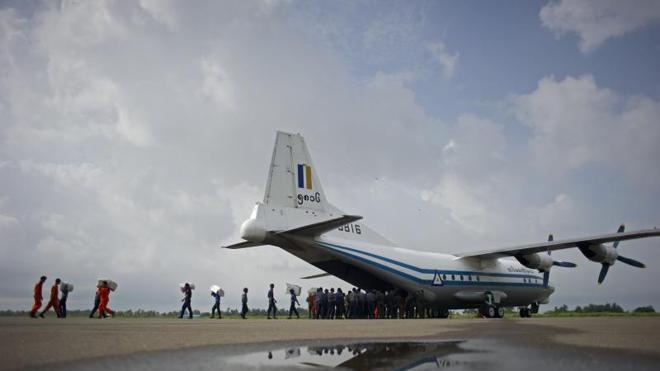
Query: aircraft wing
[(560, 244)]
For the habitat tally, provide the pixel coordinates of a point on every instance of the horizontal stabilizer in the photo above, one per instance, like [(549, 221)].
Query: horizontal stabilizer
[(242, 245), (315, 276), (316, 229)]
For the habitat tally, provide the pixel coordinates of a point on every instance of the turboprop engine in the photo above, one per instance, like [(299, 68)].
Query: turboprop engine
[(607, 256), (536, 261), (543, 263)]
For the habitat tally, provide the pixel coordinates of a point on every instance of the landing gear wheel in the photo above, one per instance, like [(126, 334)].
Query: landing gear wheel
[(524, 312), (500, 312), (490, 312)]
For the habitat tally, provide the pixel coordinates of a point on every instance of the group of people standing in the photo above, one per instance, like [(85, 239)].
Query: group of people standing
[(374, 304)]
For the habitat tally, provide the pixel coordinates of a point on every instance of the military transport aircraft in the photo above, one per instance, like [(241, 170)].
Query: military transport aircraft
[(296, 216)]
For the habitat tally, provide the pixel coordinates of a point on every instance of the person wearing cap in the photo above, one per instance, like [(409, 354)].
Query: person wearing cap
[(38, 297)]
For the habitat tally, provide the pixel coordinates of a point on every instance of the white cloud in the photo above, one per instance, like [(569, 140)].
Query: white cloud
[(595, 21), (217, 84), (444, 58), (162, 11), (575, 123)]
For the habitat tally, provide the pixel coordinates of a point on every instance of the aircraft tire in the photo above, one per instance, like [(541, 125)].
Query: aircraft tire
[(490, 311), (499, 312), (525, 312), (443, 313)]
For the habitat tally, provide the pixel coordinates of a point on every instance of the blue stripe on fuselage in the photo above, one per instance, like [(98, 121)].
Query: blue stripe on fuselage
[(338, 249)]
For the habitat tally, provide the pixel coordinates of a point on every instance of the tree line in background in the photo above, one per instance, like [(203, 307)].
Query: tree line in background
[(600, 308)]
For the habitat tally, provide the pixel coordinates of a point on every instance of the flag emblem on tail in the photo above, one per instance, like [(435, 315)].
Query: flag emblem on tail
[(304, 176)]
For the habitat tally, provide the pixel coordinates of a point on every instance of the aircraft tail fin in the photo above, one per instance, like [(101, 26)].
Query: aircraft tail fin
[(292, 178)]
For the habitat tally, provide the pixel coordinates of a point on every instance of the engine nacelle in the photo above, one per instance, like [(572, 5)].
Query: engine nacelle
[(600, 253), (541, 262)]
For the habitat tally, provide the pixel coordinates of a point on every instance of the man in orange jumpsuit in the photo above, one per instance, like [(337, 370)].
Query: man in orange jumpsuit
[(37, 297), (104, 294), (54, 300)]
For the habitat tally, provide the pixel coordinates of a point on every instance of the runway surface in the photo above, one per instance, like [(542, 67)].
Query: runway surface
[(145, 344)]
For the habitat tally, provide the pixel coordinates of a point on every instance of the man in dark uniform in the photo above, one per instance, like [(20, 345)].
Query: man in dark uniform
[(271, 302), (332, 303), (294, 301), (187, 291), (244, 301), (324, 303), (340, 304), (64, 288), (97, 301), (216, 306)]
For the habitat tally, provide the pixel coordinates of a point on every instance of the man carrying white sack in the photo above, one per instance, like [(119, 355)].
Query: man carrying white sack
[(215, 293), (187, 291)]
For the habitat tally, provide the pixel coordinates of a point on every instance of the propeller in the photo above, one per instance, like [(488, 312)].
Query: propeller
[(605, 266), (558, 263), (546, 274)]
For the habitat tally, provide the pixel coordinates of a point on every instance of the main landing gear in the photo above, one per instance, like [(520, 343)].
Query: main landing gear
[(492, 311), (526, 312), (491, 307)]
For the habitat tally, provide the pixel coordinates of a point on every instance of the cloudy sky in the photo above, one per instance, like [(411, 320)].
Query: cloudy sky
[(135, 135)]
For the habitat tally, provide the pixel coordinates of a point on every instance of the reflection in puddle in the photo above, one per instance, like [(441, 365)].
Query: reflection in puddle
[(416, 355)]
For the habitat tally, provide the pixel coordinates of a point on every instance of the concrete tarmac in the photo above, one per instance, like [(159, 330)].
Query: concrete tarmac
[(52, 342)]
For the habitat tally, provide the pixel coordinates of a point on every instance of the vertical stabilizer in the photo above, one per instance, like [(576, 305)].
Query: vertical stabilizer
[(292, 178)]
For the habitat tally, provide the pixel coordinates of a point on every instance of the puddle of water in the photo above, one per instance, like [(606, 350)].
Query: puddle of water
[(359, 356)]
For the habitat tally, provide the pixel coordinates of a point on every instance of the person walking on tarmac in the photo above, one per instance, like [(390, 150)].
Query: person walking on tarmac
[(38, 297), (54, 301), (294, 301), (65, 295), (104, 299), (216, 306), (244, 301), (271, 302), (97, 301), (187, 290)]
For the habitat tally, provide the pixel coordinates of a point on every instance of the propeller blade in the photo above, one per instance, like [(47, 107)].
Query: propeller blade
[(546, 278), (629, 261), (564, 264), (603, 273), (622, 228)]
